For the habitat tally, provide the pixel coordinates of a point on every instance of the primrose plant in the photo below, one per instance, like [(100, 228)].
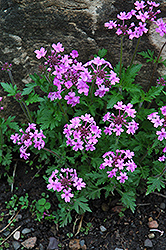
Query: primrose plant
[(96, 129)]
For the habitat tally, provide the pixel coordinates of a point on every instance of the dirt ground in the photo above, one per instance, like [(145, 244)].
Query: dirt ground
[(103, 229)]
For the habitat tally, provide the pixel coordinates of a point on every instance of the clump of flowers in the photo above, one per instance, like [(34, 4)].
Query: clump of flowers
[(120, 162), (161, 81), (71, 78), (159, 122), (65, 181), (121, 120), (143, 12), (29, 137), (103, 80), (1, 108), (6, 66), (82, 132)]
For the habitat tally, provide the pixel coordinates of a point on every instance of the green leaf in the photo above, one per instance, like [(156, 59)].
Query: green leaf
[(155, 183), (42, 201), (47, 205), (29, 88), (33, 98), (114, 99), (102, 52), (153, 92), (8, 87), (80, 203), (128, 199)]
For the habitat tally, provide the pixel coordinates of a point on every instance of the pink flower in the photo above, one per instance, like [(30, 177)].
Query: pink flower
[(63, 181), (67, 195), (40, 53), (120, 162), (116, 122), (82, 132)]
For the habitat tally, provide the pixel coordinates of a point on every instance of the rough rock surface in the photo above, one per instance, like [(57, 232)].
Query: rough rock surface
[(26, 25)]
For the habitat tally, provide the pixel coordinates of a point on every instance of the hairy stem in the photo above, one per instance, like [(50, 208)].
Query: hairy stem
[(135, 52), (121, 56)]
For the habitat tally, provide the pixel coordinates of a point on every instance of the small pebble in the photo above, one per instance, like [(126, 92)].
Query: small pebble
[(26, 231), (41, 247), (16, 235), (118, 248), (16, 245), (103, 229), (29, 243), (6, 233), (82, 242), (153, 224), (148, 243), (151, 236), (162, 205), (18, 217)]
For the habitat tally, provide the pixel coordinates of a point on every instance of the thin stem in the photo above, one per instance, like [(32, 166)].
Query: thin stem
[(63, 112), (28, 112), (155, 66), (135, 52), (24, 110), (11, 77), (52, 152), (121, 56)]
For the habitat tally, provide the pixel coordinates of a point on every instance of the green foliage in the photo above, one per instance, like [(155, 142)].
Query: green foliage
[(149, 55), (52, 116), (155, 183)]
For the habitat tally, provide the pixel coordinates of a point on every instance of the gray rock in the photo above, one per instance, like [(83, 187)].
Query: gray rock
[(41, 247), (148, 243), (118, 248), (16, 245), (6, 233), (18, 217), (16, 235), (82, 242), (162, 205), (53, 244), (26, 231), (103, 229)]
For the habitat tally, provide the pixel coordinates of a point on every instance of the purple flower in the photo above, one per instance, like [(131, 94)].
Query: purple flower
[(40, 53), (65, 181), (82, 132), (120, 162), (29, 137), (143, 12), (116, 122)]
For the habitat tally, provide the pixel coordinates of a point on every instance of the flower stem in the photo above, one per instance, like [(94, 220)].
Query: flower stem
[(135, 51), (66, 118), (121, 56), (52, 152)]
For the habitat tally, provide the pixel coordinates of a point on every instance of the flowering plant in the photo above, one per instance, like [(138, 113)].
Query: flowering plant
[(75, 103)]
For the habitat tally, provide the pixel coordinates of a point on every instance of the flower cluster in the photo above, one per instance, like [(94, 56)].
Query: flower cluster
[(116, 122), (7, 66), (142, 12), (72, 78), (161, 81), (31, 135), (101, 77), (159, 122), (64, 181), (82, 130), (1, 108), (120, 162)]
